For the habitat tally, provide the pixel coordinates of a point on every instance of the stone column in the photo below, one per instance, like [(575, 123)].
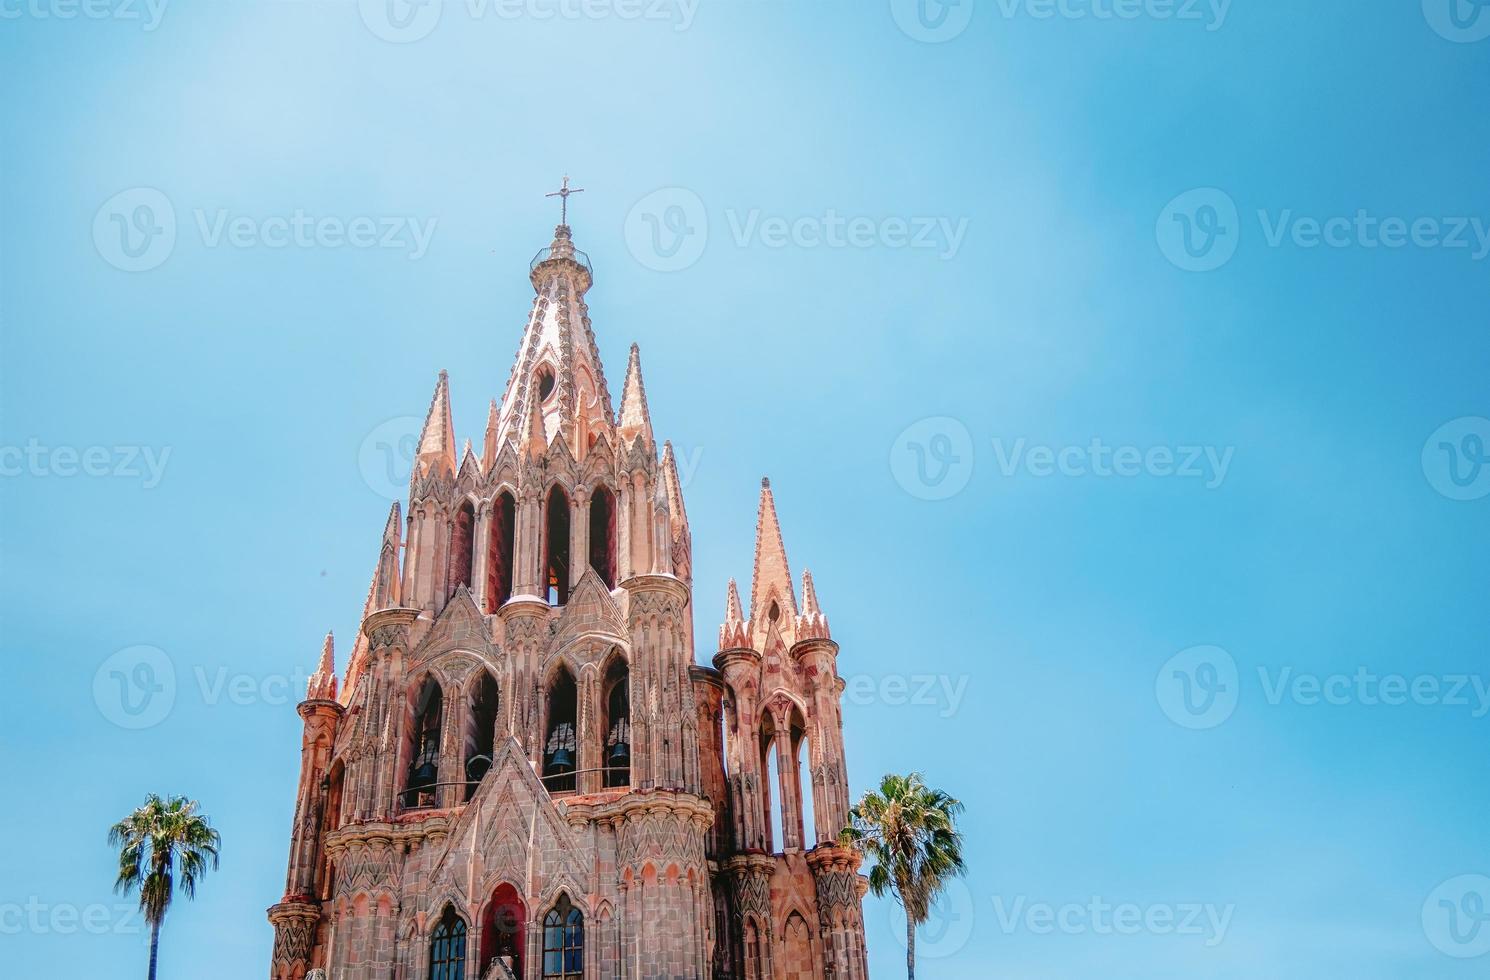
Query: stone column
[(481, 561)]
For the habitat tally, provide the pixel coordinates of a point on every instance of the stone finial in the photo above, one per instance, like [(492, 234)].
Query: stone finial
[(732, 634), (812, 624), (322, 686)]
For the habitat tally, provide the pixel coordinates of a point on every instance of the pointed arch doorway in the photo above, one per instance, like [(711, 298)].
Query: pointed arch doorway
[(504, 929)]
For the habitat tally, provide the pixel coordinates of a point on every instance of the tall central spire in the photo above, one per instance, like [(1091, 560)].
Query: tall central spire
[(557, 375)]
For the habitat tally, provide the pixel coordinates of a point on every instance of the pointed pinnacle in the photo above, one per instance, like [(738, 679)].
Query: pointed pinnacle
[(772, 572), (732, 611), (809, 595), (437, 440), (635, 418)]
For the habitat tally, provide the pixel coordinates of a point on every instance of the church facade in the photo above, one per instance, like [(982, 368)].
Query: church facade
[(524, 771)]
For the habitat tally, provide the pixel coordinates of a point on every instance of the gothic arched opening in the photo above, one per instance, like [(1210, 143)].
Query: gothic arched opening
[(500, 551), (462, 546), (603, 535), (560, 743), (421, 783), (564, 942), (556, 547), (330, 820), (503, 929), (807, 794), (616, 692), (481, 731), (447, 948)]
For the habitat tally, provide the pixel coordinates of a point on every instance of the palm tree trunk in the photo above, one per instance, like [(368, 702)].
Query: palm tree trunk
[(910, 948), (154, 947)]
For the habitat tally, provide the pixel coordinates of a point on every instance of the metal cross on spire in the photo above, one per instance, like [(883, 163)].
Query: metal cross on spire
[(563, 194)]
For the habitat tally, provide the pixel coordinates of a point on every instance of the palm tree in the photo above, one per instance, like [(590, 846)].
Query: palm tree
[(159, 842), (910, 833)]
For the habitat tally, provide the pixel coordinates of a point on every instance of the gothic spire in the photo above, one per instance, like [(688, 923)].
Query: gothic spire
[(682, 537), (812, 624), (732, 634), (382, 592), (558, 365), (436, 453), (322, 684), (771, 584), (635, 419), (489, 447)]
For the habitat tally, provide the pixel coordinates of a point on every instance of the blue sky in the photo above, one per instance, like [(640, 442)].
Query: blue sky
[(1080, 244)]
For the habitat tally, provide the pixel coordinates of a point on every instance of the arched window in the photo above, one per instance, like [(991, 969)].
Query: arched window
[(462, 546), (447, 950), (807, 793), (481, 732), (754, 969), (424, 760), (771, 797), (617, 749), (502, 931), (556, 548), (603, 535), (330, 820), (560, 744), (499, 563), (564, 942)]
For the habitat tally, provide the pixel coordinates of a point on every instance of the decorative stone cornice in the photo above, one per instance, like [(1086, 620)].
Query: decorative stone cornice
[(382, 627), (616, 812), (524, 605), (315, 706)]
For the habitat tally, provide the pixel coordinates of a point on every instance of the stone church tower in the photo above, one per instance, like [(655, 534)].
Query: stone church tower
[(524, 771)]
